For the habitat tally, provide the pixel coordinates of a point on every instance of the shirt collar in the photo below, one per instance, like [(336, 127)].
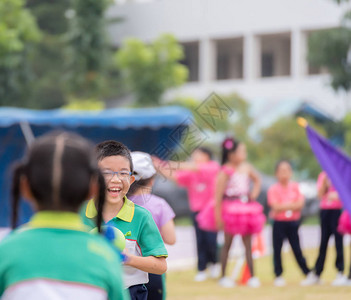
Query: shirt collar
[(126, 213), (57, 219)]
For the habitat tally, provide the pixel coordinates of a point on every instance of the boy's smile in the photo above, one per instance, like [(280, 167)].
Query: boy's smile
[(118, 185)]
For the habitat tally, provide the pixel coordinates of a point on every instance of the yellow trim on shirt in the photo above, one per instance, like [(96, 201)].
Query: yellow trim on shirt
[(56, 219), (126, 213)]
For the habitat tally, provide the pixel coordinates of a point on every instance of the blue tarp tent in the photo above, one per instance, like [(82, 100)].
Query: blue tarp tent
[(150, 130)]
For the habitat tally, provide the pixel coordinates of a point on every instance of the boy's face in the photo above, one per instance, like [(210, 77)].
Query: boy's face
[(116, 186), (199, 157), (284, 172)]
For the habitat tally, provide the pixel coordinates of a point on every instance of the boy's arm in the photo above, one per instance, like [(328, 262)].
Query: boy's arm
[(154, 252), (322, 185), (221, 184), (168, 232), (273, 201), (150, 264), (169, 168), (256, 179), (300, 202)]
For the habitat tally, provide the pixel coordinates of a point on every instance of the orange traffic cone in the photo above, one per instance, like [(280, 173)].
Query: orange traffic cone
[(245, 275), (258, 245)]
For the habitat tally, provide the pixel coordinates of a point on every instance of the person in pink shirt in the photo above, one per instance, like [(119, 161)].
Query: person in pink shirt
[(286, 203), (198, 176), (330, 211), (237, 212)]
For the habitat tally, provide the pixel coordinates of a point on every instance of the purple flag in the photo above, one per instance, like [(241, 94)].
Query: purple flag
[(335, 163)]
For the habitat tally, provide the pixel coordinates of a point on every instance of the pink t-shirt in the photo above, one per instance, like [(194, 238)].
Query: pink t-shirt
[(199, 183), (325, 203), (278, 193)]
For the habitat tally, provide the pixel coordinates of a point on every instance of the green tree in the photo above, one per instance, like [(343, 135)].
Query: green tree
[(49, 89), (18, 32), (88, 51), (150, 69), (347, 132), (285, 140), (331, 49)]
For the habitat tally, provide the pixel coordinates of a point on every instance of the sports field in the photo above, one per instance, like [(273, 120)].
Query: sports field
[(180, 284)]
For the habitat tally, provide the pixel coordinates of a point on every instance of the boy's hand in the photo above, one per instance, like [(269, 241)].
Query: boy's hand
[(127, 256)]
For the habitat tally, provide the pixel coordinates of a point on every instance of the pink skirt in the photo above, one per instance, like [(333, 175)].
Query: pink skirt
[(344, 226), (242, 218), (238, 217)]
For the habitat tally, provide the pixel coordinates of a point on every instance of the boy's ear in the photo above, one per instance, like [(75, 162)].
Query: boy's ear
[(26, 190), (132, 179)]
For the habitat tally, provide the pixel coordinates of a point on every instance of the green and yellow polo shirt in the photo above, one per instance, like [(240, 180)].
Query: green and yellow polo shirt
[(53, 257), (142, 235)]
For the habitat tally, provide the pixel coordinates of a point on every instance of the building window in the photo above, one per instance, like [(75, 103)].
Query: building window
[(267, 65), (191, 59), (275, 55), (229, 59)]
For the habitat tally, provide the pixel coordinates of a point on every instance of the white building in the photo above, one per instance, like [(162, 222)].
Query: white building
[(257, 48)]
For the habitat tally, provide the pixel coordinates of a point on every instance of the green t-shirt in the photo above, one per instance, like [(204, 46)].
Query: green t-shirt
[(53, 256), (142, 235)]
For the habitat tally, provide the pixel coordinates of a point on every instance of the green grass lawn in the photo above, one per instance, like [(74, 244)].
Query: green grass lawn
[(180, 284)]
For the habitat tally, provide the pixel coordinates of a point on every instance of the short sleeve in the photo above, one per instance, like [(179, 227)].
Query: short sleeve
[(210, 167), (184, 177), (150, 240), (167, 213)]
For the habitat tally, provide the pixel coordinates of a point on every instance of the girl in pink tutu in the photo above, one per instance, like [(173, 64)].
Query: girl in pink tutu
[(236, 211)]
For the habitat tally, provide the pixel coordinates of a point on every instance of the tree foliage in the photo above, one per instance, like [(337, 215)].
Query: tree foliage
[(150, 69), (88, 47), (18, 32), (331, 49), (285, 140), (49, 89)]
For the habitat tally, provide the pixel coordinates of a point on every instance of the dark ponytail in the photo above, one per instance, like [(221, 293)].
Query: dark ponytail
[(100, 200), (15, 190), (229, 145), (59, 167)]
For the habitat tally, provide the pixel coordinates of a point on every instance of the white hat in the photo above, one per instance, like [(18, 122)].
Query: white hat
[(143, 166)]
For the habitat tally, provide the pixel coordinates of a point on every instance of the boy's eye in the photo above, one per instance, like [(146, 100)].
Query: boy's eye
[(106, 172), (124, 174), (121, 175)]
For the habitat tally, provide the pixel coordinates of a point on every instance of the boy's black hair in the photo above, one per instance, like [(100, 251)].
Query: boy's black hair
[(113, 148), (229, 145), (279, 162), (206, 151), (59, 168)]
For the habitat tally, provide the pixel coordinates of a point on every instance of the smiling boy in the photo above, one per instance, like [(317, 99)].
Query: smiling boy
[(146, 252)]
